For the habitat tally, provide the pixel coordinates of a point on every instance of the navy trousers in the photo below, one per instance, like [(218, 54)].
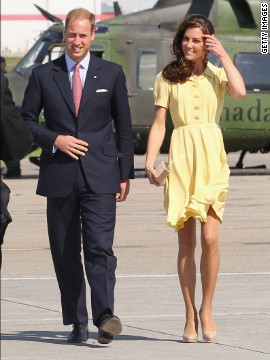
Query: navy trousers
[(83, 220)]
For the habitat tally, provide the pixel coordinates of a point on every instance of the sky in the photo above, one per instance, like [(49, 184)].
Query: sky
[(21, 22)]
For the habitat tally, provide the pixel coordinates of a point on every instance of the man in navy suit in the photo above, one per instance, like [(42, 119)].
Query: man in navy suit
[(85, 167)]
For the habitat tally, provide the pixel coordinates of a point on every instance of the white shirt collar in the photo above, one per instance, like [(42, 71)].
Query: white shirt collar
[(84, 63)]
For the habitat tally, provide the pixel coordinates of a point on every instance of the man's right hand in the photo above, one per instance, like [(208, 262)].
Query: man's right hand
[(71, 146)]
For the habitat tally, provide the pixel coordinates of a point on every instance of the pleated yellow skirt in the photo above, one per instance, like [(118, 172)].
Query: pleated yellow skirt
[(199, 174)]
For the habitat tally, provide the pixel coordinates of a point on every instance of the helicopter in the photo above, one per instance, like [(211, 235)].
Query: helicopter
[(141, 42)]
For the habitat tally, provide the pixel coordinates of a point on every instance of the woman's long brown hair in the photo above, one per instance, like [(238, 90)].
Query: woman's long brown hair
[(180, 69)]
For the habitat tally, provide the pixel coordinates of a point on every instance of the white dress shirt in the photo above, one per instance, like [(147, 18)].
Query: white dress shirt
[(83, 71)]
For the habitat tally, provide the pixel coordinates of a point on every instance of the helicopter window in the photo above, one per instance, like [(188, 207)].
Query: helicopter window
[(38, 53), (26, 66), (146, 69), (254, 69), (54, 52), (102, 29), (97, 50), (97, 53)]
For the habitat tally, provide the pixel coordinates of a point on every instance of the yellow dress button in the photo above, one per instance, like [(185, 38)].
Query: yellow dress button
[(196, 96), (196, 107), (197, 117)]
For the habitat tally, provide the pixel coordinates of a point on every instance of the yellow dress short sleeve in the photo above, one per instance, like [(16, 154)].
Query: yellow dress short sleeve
[(161, 91), (221, 74)]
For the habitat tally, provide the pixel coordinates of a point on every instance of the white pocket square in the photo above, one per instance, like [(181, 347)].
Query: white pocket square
[(101, 90)]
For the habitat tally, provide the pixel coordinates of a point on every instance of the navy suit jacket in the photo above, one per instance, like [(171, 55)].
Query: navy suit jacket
[(16, 138), (103, 122)]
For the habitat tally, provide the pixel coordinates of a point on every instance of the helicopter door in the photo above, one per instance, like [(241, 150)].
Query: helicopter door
[(141, 96)]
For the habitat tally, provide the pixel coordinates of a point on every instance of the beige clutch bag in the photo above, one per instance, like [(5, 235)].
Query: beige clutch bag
[(162, 171)]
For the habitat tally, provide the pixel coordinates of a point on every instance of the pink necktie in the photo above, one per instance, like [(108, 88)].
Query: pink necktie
[(77, 88)]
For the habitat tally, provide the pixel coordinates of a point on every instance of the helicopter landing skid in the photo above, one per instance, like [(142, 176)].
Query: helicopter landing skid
[(240, 169)]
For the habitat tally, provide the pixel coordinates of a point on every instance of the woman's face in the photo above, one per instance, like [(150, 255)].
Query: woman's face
[(193, 45)]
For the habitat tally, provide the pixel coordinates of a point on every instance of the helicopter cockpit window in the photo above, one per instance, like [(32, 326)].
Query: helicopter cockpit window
[(254, 68), (38, 53), (146, 69), (54, 52)]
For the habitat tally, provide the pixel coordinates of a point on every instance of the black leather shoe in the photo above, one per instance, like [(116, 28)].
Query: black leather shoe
[(79, 333), (110, 326)]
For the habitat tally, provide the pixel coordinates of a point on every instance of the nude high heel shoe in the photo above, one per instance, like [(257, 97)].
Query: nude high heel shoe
[(210, 336), (191, 338)]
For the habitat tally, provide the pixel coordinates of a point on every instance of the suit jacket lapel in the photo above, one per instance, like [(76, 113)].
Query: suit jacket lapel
[(62, 81), (91, 80)]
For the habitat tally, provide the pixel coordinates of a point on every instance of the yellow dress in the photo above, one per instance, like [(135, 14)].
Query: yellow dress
[(199, 173)]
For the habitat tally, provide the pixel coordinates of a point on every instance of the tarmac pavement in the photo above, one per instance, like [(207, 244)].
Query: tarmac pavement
[(148, 298)]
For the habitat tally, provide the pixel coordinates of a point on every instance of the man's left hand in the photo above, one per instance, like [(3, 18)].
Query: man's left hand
[(125, 186)]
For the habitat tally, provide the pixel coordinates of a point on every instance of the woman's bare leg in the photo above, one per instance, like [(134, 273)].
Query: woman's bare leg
[(187, 273), (210, 261)]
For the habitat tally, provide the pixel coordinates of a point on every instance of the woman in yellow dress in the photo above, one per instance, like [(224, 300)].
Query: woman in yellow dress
[(193, 89)]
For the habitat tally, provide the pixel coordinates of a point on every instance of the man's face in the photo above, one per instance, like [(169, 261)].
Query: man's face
[(78, 37)]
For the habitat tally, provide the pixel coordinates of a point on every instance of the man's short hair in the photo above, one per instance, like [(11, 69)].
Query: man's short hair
[(2, 59), (80, 14)]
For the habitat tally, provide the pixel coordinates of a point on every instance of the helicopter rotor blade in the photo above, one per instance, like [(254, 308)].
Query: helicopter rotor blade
[(48, 15)]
